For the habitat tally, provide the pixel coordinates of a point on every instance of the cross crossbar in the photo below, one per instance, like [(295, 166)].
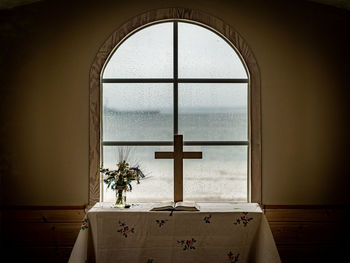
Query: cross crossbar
[(178, 155)]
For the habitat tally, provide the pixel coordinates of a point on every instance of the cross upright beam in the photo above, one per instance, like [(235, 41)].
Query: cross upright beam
[(178, 155)]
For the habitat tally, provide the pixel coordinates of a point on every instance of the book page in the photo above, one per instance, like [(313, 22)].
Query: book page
[(187, 206), (163, 206)]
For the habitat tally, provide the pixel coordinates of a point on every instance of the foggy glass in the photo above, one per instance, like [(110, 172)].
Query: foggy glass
[(220, 176), (148, 53), (213, 112), (206, 112), (204, 54), (137, 112), (158, 184)]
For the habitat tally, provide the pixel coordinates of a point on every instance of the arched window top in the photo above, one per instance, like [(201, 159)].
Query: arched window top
[(147, 65), (149, 53), (178, 78)]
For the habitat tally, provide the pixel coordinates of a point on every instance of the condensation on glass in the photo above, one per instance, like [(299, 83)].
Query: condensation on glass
[(220, 175), (213, 111), (136, 111), (204, 54), (146, 54)]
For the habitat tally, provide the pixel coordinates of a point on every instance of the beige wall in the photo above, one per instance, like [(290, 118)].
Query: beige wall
[(302, 54)]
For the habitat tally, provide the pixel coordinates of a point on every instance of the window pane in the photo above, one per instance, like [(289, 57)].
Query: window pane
[(204, 54), (220, 176), (158, 184), (137, 112), (213, 112), (146, 54)]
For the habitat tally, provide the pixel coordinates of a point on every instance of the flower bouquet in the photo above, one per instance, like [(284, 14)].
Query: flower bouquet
[(120, 180)]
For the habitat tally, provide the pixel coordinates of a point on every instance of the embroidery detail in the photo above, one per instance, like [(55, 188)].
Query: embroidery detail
[(84, 224), (207, 219), (187, 244), (244, 219), (150, 260), (232, 258), (125, 230), (161, 222)]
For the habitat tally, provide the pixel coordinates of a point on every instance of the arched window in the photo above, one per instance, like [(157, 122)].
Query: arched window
[(177, 76)]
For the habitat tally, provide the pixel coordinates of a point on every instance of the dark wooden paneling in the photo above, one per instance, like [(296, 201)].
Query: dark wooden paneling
[(305, 214), (36, 254), (43, 215), (39, 234), (309, 233), (306, 233), (311, 253), (42, 234)]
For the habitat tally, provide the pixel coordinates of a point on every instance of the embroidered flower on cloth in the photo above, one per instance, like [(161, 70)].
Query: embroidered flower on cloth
[(84, 224), (207, 219), (232, 258), (244, 219), (187, 244), (161, 222), (125, 230)]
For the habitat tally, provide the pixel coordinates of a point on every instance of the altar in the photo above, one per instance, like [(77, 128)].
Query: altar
[(219, 232)]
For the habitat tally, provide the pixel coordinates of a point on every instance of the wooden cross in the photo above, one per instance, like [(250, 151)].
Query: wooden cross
[(178, 155)]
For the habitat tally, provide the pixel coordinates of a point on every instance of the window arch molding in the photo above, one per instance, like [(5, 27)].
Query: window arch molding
[(194, 16)]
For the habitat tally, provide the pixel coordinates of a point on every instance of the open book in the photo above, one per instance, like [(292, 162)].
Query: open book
[(178, 206)]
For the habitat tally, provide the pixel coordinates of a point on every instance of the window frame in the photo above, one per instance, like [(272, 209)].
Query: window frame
[(175, 15)]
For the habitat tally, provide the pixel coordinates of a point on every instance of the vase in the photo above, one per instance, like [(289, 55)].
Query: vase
[(120, 195)]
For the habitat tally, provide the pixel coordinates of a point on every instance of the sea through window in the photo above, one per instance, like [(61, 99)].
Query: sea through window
[(172, 78)]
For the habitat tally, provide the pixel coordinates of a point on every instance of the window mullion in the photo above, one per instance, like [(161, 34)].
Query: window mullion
[(175, 67), (165, 143)]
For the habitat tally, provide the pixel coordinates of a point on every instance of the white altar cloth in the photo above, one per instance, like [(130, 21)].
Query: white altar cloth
[(219, 232)]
